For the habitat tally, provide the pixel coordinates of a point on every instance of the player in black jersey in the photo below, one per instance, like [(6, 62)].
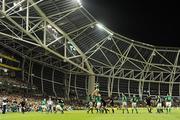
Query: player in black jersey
[(148, 103), (103, 106), (23, 105), (111, 103)]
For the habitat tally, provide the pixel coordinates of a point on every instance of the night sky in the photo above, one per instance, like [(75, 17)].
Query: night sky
[(147, 21)]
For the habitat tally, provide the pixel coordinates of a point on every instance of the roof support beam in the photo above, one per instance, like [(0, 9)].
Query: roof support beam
[(41, 44), (20, 39), (173, 74), (64, 34)]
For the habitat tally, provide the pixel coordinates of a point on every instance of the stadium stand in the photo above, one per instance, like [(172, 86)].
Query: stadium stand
[(61, 50)]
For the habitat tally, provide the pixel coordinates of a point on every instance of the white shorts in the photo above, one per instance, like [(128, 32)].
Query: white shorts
[(159, 105), (168, 104), (58, 107), (44, 107), (124, 104), (98, 105), (134, 105)]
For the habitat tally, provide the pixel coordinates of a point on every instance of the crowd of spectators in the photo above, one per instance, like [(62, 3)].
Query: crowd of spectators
[(34, 103)]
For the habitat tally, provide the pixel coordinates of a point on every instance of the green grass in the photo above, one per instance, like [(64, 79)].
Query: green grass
[(82, 115)]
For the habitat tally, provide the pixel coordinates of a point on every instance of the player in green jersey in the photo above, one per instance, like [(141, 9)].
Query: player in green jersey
[(168, 100), (43, 105), (98, 102), (124, 103), (134, 101)]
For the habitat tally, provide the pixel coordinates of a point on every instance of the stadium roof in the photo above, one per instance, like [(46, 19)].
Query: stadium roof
[(58, 32)]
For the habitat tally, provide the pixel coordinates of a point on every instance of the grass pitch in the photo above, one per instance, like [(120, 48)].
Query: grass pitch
[(82, 115)]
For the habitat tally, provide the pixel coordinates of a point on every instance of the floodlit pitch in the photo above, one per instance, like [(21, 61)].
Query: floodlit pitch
[(82, 115)]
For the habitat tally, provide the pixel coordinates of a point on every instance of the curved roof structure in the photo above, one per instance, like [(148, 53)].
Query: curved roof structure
[(63, 35)]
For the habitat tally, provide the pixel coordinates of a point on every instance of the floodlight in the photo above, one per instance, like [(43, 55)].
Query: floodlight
[(5, 70), (79, 2), (109, 38), (20, 8), (100, 26), (153, 54), (15, 3), (49, 26), (103, 28), (92, 26)]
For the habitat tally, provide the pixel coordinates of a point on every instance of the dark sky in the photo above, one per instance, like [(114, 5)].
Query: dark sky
[(151, 21)]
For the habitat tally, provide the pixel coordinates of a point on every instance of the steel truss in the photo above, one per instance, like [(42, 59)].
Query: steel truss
[(44, 31)]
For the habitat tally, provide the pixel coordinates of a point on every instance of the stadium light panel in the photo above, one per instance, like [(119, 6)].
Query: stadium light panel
[(15, 3), (103, 28), (20, 8), (100, 26), (153, 54), (49, 26), (5, 70), (79, 2)]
